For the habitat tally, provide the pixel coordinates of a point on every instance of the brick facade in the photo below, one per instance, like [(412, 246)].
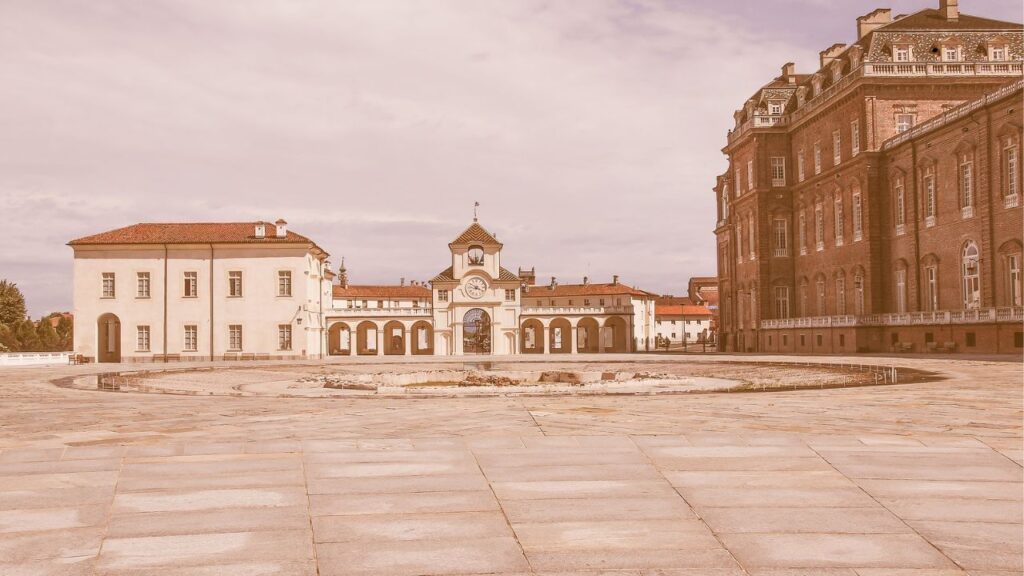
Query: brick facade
[(875, 204)]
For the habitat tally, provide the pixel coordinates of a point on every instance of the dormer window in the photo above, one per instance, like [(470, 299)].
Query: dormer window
[(902, 53), (775, 107), (997, 53), (476, 256), (951, 53)]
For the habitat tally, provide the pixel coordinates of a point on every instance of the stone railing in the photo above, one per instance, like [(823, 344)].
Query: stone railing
[(33, 358), (360, 312), (976, 316), (574, 310)]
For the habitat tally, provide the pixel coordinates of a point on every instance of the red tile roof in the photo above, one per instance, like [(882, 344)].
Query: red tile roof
[(673, 300), (475, 234), (584, 290), (191, 233), (669, 310), (383, 292)]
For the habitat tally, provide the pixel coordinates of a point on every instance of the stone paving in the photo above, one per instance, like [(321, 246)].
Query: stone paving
[(919, 479)]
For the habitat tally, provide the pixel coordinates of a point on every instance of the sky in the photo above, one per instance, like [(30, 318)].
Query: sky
[(590, 131)]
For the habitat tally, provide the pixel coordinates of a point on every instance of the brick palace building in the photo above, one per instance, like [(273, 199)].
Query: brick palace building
[(874, 205)]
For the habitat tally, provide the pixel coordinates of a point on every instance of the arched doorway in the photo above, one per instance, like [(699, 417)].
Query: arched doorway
[(108, 330), (614, 336), (422, 338), (587, 335), (394, 338), (339, 339), (533, 337), (366, 338), (476, 332), (560, 335)]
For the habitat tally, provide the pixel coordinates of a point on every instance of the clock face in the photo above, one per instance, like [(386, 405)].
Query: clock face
[(475, 287)]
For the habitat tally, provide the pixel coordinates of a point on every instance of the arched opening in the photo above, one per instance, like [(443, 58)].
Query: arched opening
[(614, 337), (970, 271), (560, 336), (394, 338), (366, 338), (532, 338), (587, 335), (422, 335), (339, 339), (108, 329), (476, 332)]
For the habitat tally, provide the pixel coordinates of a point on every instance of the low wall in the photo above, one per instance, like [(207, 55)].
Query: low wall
[(33, 358)]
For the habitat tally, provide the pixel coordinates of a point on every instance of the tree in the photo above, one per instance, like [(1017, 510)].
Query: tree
[(12, 304), (25, 332), (8, 342), (65, 333), (47, 338)]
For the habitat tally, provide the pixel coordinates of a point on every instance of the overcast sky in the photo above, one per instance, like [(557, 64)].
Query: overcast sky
[(589, 130)]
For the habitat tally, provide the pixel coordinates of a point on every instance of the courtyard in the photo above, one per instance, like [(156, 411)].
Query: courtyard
[(263, 468)]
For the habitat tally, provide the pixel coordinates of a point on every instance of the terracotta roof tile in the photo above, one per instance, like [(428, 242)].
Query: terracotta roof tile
[(446, 275), (384, 292), (191, 233), (475, 234), (584, 290), (669, 310)]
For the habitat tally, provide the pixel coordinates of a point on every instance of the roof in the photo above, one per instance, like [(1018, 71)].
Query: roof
[(669, 310), (932, 19), (391, 292), (475, 234), (190, 233), (669, 300), (584, 290), (447, 275)]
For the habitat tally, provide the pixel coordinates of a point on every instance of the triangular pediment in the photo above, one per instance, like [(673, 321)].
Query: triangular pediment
[(475, 234)]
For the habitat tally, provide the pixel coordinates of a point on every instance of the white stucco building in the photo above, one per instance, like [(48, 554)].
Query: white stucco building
[(153, 292), (683, 322)]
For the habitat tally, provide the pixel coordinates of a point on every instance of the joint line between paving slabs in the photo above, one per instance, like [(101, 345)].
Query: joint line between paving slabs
[(110, 508), (692, 509), (993, 448), (309, 509), (502, 508)]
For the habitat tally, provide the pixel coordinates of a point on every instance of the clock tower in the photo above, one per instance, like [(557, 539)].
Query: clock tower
[(476, 302)]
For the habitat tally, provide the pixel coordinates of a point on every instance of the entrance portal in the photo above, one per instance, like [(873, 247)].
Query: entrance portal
[(476, 332), (108, 330)]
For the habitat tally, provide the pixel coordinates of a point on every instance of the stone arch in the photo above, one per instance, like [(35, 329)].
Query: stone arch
[(476, 332), (366, 338), (422, 334), (339, 339), (108, 333), (532, 339), (560, 336), (970, 274), (394, 338), (588, 333), (615, 336)]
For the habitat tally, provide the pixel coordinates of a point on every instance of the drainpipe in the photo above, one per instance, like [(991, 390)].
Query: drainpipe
[(211, 302), (165, 303)]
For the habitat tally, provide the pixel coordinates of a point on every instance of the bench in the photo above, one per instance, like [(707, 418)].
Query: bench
[(948, 347), (262, 356), (247, 356), (902, 347), (231, 356)]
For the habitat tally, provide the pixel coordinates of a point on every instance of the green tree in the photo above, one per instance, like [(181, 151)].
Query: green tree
[(65, 333), (48, 341), (12, 303), (25, 332), (8, 342)]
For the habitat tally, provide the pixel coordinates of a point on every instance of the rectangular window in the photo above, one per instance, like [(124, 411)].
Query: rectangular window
[(800, 164), (142, 338), (858, 218), (932, 285), (284, 283), (900, 207), (775, 107), (600, 302), (1011, 176), (782, 301), (858, 294), (739, 241), (780, 234), (901, 291), (928, 184), (234, 337), (108, 285), (1013, 269), (855, 137), (442, 296), (966, 187), (904, 122), (822, 311), (950, 54), (142, 282), (998, 53), (235, 283), (841, 295), (751, 238), (284, 337), (817, 157), (803, 232), (778, 171), (901, 54), (510, 295), (819, 228), (750, 175), (191, 287), (837, 147), (191, 343), (838, 221), (739, 182)]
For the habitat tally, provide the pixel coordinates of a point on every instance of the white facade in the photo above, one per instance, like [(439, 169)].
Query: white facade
[(676, 328)]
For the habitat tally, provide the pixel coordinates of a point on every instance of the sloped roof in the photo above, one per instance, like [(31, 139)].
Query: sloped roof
[(673, 300), (670, 310), (932, 19), (381, 291), (584, 290), (475, 234), (191, 233), (447, 275)]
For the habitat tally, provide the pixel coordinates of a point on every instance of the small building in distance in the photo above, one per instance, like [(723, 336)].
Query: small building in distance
[(679, 323)]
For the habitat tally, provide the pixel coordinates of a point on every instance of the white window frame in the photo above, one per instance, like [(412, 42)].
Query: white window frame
[(819, 227), (751, 237), (442, 295), (965, 178), (142, 285), (510, 295), (190, 284), (778, 165), (235, 342), (841, 295), (142, 338), (855, 137), (931, 283), (837, 147), (858, 217), (738, 176), (800, 172), (900, 205), (284, 337), (902, 53), (901, 290), (780, 235), (190, 338), (971, 281), (838, 225), (858, 294), (904, 122), (1016, 289), (235, 289), (782, 302), (928, 184), (750, 175), (284, 283), (1011, 174), (802, 231), (817, 158), (820, 298), (108, 286)]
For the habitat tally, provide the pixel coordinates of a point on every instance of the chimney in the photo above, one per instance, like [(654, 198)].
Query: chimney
[(829, 54), (950, 10), (586, 280), (282, 228), (615, 279), (789, 72), (554, 282), (872, 21), (261, 230)]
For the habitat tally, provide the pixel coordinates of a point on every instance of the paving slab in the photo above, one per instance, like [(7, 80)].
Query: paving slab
[(413, 558), (834, 550)]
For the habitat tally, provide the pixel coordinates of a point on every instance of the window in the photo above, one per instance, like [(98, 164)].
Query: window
[(837, 147), (817, 157), (904, 122), (971, 274), (819, 228), (751, 239), (586, 301), (858, 218), (858, 294), (108, 284), (234, 337), (997, 52), (900, 207), (800, 164), (931, 279), (750, 175), (191, 338), (600, 302), (1011, 174), (235, 284), (821, 297), (142, 282), (840, 294), (855, 137), (972, 339), (802, 231), (739, 182), (901, 290), (380, 304), (928, 183), (838, 223), (725, 203), (780, 235), (510, 295), (901, 53), (778, 171), (951, 53), (775, 107), (1014, 278), (966, 174), (782, 301), (284, 283), (442, 296), (284, 337), (804, 311), (191, 287), (142, 338), (739, 241)]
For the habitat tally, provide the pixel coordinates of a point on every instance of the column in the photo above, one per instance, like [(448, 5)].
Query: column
[(547, 338), (572, 339), (408, 341), (352, 342), (380, 341)]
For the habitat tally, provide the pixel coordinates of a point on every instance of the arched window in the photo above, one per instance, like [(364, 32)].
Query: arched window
[(970, 271), (901, 286), (820, 296), (840, 293), (858, 293)]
